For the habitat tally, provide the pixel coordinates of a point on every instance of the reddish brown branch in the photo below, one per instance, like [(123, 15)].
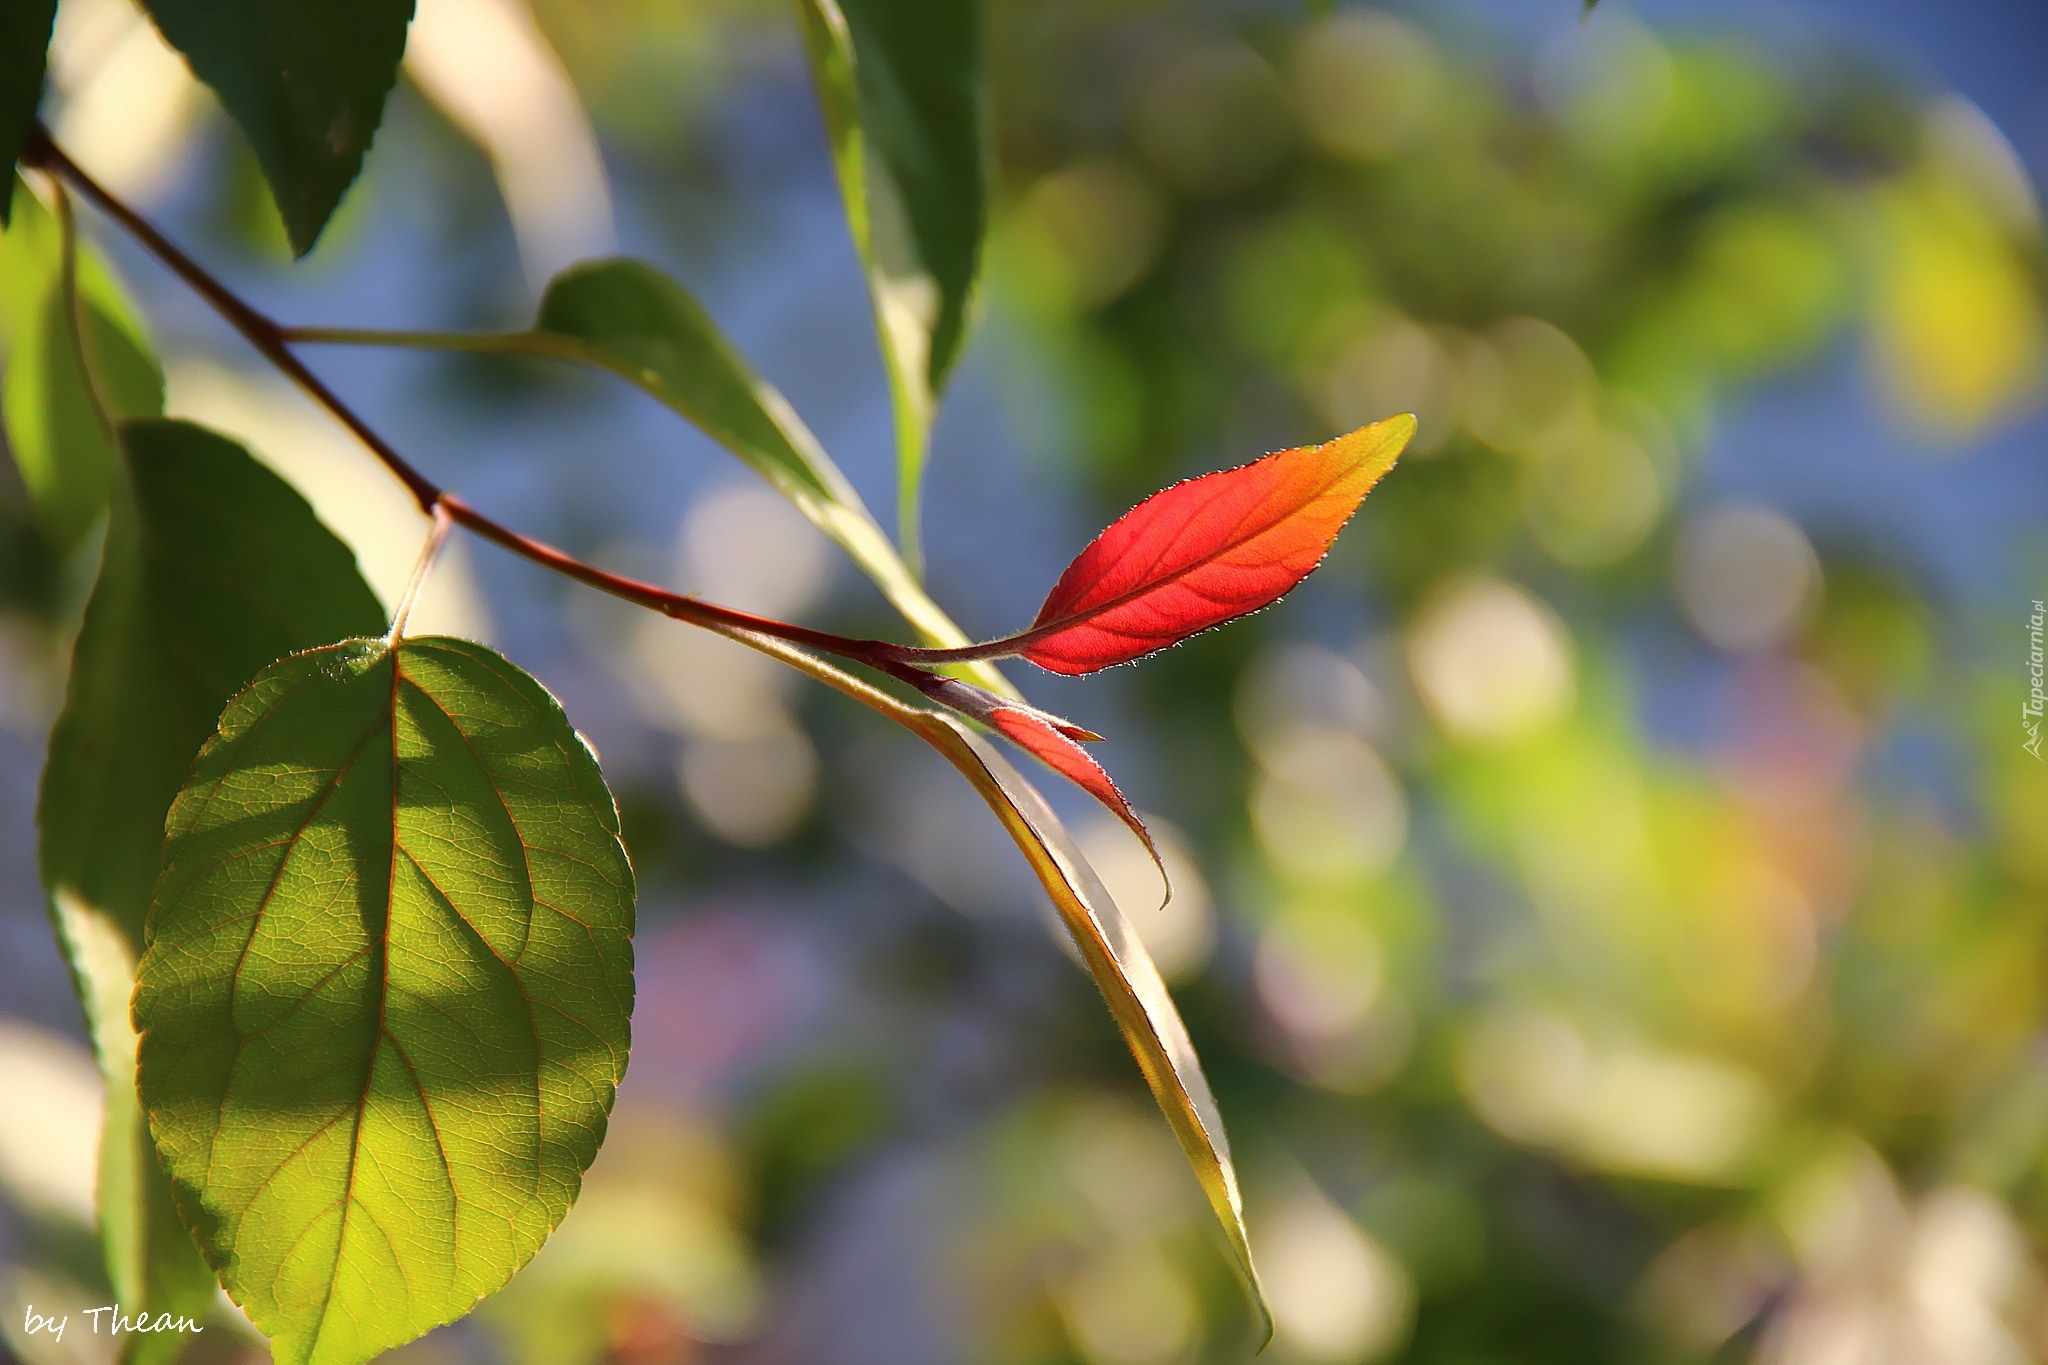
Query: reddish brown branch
[(260, 331), (270, 340), (679, 605)]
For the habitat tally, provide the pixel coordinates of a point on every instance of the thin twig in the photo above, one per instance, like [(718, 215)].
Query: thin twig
[(271, 340), (260, 331)]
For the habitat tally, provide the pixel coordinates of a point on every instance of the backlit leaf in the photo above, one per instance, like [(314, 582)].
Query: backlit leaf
[(1207, 551), (637, 322), (1123, 972), (30, 255), (24, 41), (1114, 956), (633, 320), (1046, 737), (306, 80), (900, 83), (149, 1256), (63, 442), (385, 1000), (213, 568)]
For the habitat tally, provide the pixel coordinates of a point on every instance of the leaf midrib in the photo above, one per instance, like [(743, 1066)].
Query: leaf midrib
[(1236, 541)]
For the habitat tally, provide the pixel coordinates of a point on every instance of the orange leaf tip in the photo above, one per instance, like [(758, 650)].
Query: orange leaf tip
[(1207, 550)]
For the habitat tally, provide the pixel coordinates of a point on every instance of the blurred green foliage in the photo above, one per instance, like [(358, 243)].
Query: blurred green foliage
[(1542, 1033), (1601, 1049)]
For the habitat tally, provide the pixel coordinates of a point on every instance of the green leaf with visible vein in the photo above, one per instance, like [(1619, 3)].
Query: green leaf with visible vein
[(900, 84), (385, 1001), (24, 43), (213, 568), (306, 79)]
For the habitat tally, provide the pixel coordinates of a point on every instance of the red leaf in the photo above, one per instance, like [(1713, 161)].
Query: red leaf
[(1031, 731), (1207, 550), (1046, 737)]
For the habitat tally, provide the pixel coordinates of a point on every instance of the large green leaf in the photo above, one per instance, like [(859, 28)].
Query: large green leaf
[(306, 79), (213, 568), (385, 1001), (900, 83), (65, 384), (24, 42)]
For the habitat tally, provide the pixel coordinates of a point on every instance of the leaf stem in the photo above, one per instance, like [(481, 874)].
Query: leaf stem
[(529, 342), (429, 553)]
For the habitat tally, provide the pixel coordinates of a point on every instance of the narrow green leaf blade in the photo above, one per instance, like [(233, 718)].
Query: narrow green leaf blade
[(62, 441), (24, 44), (634, 320), (306, 80), (900, 84), (1125, 975), (150, 1258), (1114, 955), (385, 1001), (60, 438), (213, 568), (31, 255)]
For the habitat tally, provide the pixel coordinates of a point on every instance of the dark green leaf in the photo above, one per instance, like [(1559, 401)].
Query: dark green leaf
[(24, 42), (306, 79), (385, 1001), (900, 83), (213, 569)]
